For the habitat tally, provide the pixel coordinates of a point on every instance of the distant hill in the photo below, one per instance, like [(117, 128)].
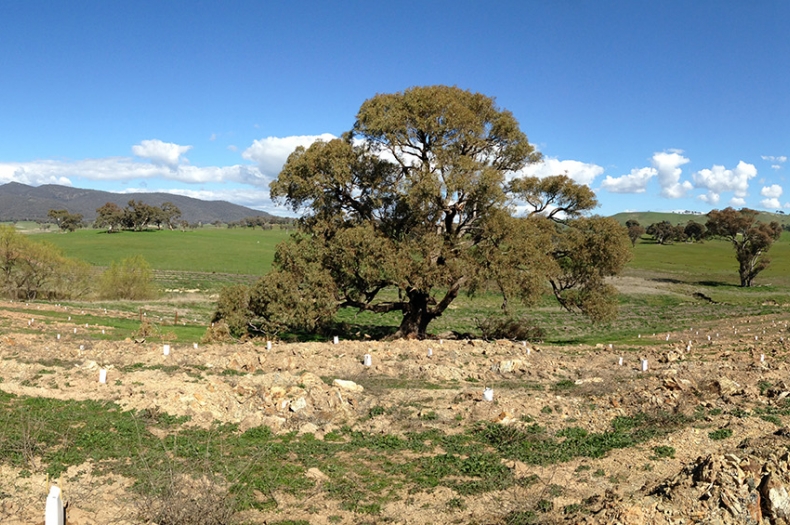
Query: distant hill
[(19, 202), (646, 218)]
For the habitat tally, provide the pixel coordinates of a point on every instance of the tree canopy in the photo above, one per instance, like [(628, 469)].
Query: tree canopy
[(136, 216), (67, 222), (751, 239), (635, 230), (417, 203)]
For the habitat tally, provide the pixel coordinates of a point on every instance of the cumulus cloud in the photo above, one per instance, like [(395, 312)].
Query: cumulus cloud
[(271, 153), (161, 153), (634, 182), (668, 165), (710, 198), (32, 174), (718, 179), (771, 194), (772, 191), (737, 202), (124, 169), (581, 172)]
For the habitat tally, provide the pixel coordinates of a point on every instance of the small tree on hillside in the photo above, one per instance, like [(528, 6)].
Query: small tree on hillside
[(635, 230), (751, 239), (695, 231)]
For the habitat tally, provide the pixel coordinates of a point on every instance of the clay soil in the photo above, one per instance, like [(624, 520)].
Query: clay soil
[(712, 374)]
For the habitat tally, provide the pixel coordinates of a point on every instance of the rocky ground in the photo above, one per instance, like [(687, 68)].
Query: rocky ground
[(730, 466)]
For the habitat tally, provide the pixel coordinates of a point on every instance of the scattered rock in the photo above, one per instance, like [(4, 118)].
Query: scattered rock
[(349, 386), (316, 475), (728, 387)]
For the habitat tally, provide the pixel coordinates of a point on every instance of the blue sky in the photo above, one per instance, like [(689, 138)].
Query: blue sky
[(666, 105)]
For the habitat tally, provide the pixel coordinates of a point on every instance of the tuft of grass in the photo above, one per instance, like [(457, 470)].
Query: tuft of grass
[(722, 433), (664, 451)]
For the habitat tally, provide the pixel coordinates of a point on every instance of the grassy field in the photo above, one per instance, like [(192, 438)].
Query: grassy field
[(235, 251), (209, 258)]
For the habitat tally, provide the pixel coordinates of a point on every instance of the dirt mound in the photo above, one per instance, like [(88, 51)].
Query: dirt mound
[(578, 434)]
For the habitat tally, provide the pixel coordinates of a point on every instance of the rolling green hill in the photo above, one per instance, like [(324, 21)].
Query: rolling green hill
[(647, 218)]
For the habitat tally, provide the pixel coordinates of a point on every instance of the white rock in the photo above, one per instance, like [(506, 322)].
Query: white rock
[(350, 386)]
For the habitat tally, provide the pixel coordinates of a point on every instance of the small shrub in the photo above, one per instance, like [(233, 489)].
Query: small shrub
[(722, 433), (521, 517), (771, 418), (565, 384), (429, 416), (217, 333), (147, 329), (376, 411), (664, 451), (513, 328), (456, 504), (181, 500), (131, 279)]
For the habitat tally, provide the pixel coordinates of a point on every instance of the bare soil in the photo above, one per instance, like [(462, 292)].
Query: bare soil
[(716, 365)]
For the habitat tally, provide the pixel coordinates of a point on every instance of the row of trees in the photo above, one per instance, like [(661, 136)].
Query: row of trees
[(264, 222), (750, 237), (665, 232), (418, 203), (137, 216)]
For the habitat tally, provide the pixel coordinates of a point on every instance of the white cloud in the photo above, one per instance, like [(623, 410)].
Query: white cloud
[(780, 159), (252, 198), (710, 198), (161, 153), (667, 165), (271, 153), (718, 179), (125, 169), (737, 202), (581, 172), (32, 174), (772, 191), (771, 203), (634, 182)]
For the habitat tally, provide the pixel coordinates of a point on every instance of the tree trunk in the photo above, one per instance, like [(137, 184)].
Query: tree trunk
[(416, 316)]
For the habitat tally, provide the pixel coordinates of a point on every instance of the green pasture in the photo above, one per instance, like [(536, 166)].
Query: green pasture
[(668, 276), (710, 263), (220, 250)]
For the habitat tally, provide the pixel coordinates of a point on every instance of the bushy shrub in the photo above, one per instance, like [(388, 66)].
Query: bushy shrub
[(38, 270), (233, 308), (217, 332), (510, 327), (132, 279)]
